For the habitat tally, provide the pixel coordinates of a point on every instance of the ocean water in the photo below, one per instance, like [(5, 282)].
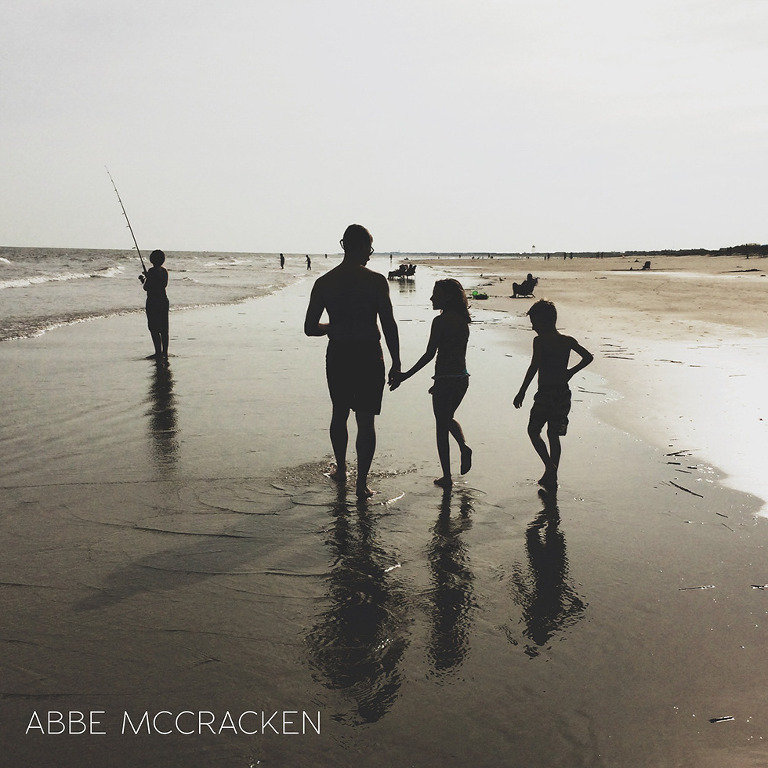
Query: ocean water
[(43, 288)]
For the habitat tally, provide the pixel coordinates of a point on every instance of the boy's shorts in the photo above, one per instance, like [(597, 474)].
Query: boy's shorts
[(355, 373), (157, 315), (551, 407)]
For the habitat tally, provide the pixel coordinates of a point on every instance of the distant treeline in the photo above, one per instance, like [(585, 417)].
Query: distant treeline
[(748, 249)]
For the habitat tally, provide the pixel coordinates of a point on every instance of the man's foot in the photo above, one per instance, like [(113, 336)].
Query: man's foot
[(364, 492), (444, 482), (338, 474), (466, 459)]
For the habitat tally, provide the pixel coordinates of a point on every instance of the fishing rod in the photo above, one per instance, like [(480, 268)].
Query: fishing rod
[(143, 266)]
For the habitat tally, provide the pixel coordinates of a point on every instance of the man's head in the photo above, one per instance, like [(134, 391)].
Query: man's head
[(543, 315), (357, 243), (157, 258)]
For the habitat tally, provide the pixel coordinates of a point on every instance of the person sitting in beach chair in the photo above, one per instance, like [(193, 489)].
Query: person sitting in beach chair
[(525, 289), (647, 265)]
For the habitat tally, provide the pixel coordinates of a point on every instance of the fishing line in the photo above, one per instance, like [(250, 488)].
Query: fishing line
[(119, 199)]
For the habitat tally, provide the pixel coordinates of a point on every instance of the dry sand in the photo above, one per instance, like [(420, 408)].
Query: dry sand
[(168, 542), (685, 344)]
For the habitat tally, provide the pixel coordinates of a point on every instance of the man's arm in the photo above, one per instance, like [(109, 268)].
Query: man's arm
[(586, 359), (434, 340), (388, 325), (312, 324)]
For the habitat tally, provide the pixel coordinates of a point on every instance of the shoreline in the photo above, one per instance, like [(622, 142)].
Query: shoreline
[(191, 556)]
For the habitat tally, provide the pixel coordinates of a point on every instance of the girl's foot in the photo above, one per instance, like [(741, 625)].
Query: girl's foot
[(364, 492), (444, 482), (466, 459)]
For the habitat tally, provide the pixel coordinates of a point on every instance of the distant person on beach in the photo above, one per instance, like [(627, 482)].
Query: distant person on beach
[(282, 261), (552, 401), (155, 282), (448, 340), (356, 300), (309, 262)]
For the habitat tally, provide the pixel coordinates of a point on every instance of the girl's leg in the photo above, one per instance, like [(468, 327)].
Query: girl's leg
[(442, 429)]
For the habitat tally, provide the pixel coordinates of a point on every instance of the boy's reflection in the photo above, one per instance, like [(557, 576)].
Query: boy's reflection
[(358, 643), (549, 601), (163, 428), (452, 598)]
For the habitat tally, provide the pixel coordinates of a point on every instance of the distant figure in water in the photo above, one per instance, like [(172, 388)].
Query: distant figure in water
[(552, 401), (356, 300), (309, 262), (282, 261), (448, 340), (155, 281)]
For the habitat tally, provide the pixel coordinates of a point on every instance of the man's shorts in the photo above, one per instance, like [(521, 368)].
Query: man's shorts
[(551, 407), (157, 315), (355, 373)]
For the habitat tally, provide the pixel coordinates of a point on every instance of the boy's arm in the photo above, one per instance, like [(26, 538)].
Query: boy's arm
[(389, 326), (312, 324), (529, 374), (398, 378), (586, 359)]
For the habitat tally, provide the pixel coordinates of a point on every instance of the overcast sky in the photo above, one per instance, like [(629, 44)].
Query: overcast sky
[(442, 125)]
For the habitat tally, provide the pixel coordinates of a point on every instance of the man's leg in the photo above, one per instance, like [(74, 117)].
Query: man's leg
[(339, 439), (366, 447)]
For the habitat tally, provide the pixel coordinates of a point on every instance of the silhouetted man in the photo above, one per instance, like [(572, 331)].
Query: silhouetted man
[(356, 299)]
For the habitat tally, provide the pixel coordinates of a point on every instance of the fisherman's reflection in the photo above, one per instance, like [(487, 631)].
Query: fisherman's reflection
[(549, 602), (163, 426), (358, 643), (452, 598)]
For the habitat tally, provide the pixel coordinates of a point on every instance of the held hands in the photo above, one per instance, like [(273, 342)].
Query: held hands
[(396, 378)]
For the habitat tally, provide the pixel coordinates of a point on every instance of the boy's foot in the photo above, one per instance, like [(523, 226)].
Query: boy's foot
[(443, 482), (466, 460)]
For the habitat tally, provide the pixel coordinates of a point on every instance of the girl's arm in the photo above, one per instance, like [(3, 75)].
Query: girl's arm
[(432, 344)]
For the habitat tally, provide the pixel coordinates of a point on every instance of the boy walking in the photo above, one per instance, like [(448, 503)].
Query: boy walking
[(552, 401)]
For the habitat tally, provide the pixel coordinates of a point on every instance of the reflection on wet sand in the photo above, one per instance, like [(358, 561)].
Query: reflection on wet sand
[(546, 595), (451, 597), (163, 427), (358, 643)]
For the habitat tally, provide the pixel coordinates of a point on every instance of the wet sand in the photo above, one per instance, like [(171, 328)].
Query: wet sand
[(168, 542)]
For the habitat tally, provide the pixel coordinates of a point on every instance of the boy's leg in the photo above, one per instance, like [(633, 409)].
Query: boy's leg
[(158, 343), (553, 435), (366, 447)]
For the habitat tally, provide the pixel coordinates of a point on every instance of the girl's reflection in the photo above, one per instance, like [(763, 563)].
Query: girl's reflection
[(451, 597)]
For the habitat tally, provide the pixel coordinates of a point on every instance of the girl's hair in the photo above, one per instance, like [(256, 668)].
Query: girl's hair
[(455, 297)]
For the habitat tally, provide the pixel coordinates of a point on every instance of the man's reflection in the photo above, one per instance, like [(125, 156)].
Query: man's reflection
[(358, 643), (452, 599), (548, 599)]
